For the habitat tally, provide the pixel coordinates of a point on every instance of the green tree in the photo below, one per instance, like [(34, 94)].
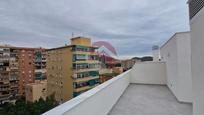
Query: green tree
[(21, 107)]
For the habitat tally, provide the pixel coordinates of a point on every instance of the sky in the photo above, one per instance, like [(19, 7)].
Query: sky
[(131, 26)]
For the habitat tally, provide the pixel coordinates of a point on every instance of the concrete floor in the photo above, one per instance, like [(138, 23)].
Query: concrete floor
[(149, 100)]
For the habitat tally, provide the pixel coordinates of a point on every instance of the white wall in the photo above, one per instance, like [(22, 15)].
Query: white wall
[(177, 55), (149, 73), (197, 44), (184, 67), (169, 55), (97, 101)]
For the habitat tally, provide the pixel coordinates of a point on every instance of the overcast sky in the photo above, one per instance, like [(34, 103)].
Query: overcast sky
[(131, 26)]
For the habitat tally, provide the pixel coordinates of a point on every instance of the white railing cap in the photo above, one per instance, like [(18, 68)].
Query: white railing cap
[(67, 106)]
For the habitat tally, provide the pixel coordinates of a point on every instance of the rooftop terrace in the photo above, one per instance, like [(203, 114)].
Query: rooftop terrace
[(140, 91), (149, 100)]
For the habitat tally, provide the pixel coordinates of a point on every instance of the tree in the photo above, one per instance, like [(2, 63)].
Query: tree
[(21, 107)]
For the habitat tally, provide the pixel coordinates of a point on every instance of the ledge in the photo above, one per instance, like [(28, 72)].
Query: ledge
[(73, 103)]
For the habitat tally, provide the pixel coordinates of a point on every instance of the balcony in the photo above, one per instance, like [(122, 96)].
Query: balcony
[(5, 95), (86, 85), (82, 88), (84, 67), (80, 48), (5, 89), (14, 86), (40, 70), (85, 53), (142, 90), (14, 68), (86, 79), (85, 70), (86, 61)]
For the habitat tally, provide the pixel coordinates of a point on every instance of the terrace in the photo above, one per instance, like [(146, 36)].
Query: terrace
[(149, 100), (142, 90)]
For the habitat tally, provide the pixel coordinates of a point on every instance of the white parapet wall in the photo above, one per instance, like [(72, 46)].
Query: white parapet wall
[(97, 101), (149, 73), (197, 47), (176, 52)]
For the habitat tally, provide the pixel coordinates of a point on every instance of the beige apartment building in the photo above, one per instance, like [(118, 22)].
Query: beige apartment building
[(35, 91), (72, 69)]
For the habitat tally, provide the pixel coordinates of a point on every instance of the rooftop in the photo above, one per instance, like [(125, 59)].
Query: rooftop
[(140, 91), (149, 100)]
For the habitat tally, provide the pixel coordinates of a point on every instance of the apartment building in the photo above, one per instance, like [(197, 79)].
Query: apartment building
[(19, 66), (196, 11), (26, 68), (8, 74), (35, 91), (72, 69), (32, 66)]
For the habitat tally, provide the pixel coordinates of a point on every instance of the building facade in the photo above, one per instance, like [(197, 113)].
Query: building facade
[(18, 67), (129, 63), (35, 91), (73, 69), (26, 68), (196, 10), (176, 52), (156, 53), (9, 76), (40, 64)]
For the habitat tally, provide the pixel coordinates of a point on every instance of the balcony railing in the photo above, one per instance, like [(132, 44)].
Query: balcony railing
[(86, 78), (101, 99), (85, 70)]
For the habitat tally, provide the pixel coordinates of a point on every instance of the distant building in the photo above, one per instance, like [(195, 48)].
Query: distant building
[(72, 69), (17, 68), (129, 63), (35, 91), (117, 70), (156, 53), (108, 73), (108, 61)]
